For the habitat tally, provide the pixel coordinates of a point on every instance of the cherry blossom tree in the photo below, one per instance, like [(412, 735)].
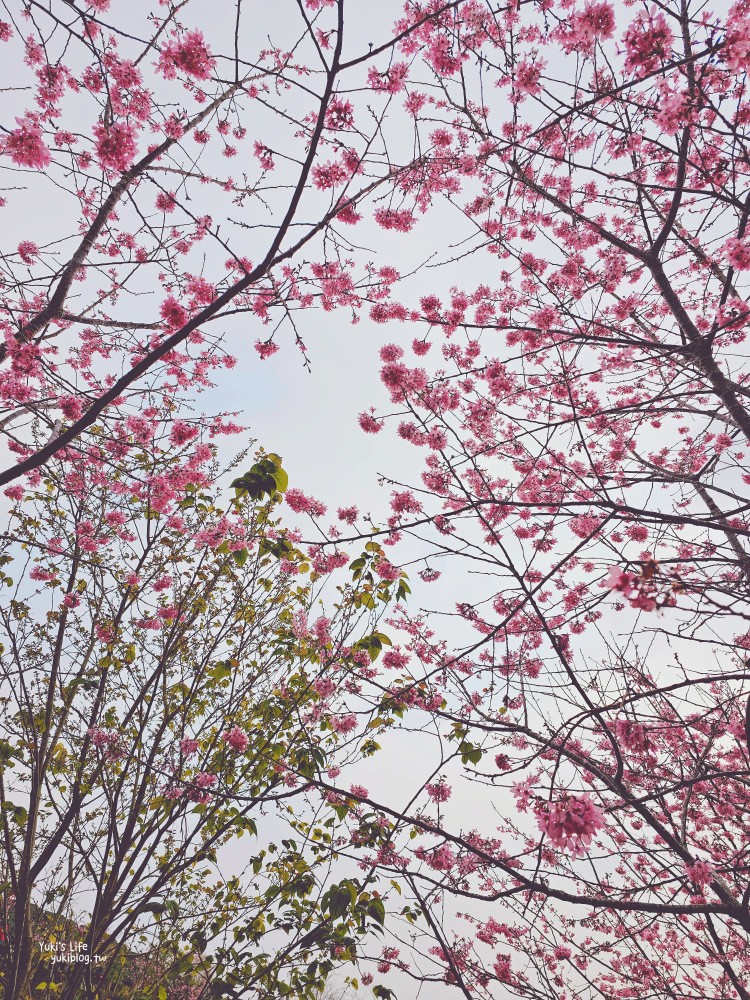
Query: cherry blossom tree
[(193, 182), (585, 430), (577, 388), (132, 759), (169, 686)]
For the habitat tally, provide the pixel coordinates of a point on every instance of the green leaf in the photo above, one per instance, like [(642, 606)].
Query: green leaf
[(282, 480), (265, 477), (240, 556), (220, 988), (337, 900), (469, 753), (156, 906), (20, 814), (376, 910), (280, 548)]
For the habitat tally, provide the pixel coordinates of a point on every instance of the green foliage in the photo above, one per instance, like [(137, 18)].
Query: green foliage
[(373, 644), (470, 754), (265, 478), (373, 590)]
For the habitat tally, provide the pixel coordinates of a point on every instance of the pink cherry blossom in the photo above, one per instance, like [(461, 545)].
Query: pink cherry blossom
[(165, 202), (343, 724), (115, 145), (585, 27), (188, 747), (700, 873), (302, 504), (236, 739), (26, 146), (182, 432), (570, 822), (28, 251), (439, 791), (200, 789), (188, 54), (400, 220), (737, 252), (107, 742), (527, 77), (391, 81), (620, 580), (41, 574), (648, 41), (173, 314), (266, 349), (370, 424)]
